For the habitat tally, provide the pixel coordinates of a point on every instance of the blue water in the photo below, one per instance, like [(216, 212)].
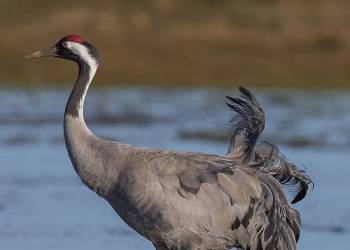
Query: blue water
[(43, 204)]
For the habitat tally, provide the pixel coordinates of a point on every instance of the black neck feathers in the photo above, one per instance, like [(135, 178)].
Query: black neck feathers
[(75, 102)]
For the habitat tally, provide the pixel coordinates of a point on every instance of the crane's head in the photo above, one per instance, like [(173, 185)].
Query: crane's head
[(71, 47)]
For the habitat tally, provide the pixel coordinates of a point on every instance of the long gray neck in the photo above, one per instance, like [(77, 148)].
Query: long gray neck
[(80, 141), (97, 162)]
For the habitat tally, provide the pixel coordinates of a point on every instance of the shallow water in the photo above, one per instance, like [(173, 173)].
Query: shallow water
[(43, 204)]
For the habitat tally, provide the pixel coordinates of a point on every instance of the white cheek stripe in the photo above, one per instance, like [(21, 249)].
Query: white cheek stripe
[(83, 53)]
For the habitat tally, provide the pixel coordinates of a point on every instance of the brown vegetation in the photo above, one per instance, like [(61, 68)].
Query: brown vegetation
[(272, 42)]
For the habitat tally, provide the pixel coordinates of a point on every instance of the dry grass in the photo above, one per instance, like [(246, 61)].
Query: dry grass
[(269, 43)]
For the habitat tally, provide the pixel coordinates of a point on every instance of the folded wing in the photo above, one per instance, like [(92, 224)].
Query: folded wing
[(256, 209)]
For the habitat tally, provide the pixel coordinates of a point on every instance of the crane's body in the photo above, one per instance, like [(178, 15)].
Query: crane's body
[(182, 200), (177, 200)]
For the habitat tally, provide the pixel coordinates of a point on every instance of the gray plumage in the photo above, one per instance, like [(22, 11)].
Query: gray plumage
[(177, 200)]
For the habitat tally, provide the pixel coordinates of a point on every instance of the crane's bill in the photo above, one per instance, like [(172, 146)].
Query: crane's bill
[(42, 53)]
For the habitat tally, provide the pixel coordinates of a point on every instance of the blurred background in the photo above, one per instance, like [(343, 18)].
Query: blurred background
[(174, 42), (166, 67)]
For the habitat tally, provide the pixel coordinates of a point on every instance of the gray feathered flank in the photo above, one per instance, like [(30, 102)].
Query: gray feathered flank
[(181, 200), (246, 127)]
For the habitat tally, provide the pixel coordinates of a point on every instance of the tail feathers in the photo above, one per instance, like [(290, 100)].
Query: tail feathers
[(246, 125), (295, 181)]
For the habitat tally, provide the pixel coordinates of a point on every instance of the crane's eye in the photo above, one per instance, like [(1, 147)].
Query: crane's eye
[(65, 45)]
